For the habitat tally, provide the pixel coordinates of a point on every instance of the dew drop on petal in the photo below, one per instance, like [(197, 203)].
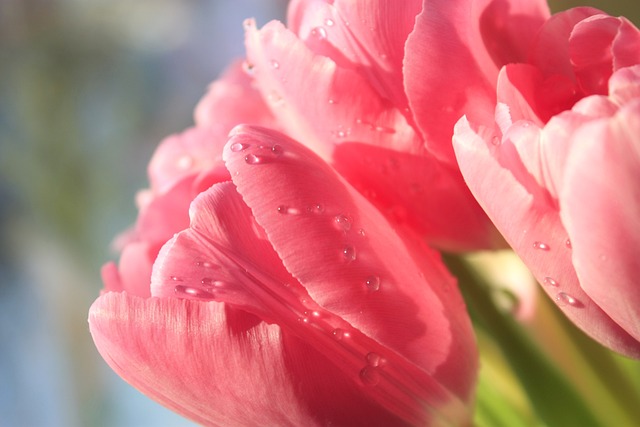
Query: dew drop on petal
[(275, 64), (317, 208), (329, 22), (384, 129), (319, 33), (374, 359), (176, 279), (564, 298), (338, 334), (370, 375), (361, 232), (342, 222), (252, 159), (495, 140), (567, 243), (277, 150), (190, 292), (238, 146), (372, 283), (207, 281), (550, 281), (540, 245), (349, 253), (185, 162)]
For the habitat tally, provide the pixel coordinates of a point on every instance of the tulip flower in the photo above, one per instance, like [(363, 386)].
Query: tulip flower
[(282, 304), (557, 169), (346, 79)]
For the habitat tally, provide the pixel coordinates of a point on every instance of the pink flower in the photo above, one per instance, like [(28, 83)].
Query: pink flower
[(290, 300), (346, 78), (558, 169)]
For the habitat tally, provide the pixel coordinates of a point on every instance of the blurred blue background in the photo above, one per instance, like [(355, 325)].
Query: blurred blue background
[(87, 90)]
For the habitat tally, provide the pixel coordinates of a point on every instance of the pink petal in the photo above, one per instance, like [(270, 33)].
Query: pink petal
[(624, 84), (452, 60), (626, 46), (348, 259), (600, 206), (550, 50), (370, 35), (230, 100), (418, 192), (178, 156), (591, 54), (343, 104), (517, 87), (214, 365), (223, 257), (134, 269), (528, 218)]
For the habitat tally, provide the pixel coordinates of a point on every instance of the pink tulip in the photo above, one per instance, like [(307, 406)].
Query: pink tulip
[(557, 169), (347, 79), (290, 300), (182, 167)]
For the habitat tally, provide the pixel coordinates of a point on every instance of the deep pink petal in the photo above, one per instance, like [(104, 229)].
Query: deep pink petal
[(626, 46), (600, 206), (348, 260), (230, 100), (326, 104), (517, 87), (222, 257), (525, 213), (369, 35), (550, 50), (419, 192), (216, 366)]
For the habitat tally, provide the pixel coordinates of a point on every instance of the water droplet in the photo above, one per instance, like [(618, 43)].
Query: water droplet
[(374, 359), (193, 292), (176, 279), (342, 222), (370, 375), (275, 98), (361, 232), (567, 243), (277, 150), (550, 281), (332, 101), (495, 140), (252, 159), (372, 283), (349, 253), (338, 334), (185, 162), (248, 67), (317, 208), (540, 245), (319, 33), (384, 129), (207, 281), (286, 210), (239, 146), (565, 299), (329, 22), (341, 132), (275, 64)]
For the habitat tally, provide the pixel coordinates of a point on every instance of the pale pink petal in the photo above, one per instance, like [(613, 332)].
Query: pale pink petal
[(528, 218), (230, 100), (419, 192), (134, 268), (326, 104), (517, 87), (214, 365), (188, 153), (624, 85), (348, 260), (600, 206), (368, 36)]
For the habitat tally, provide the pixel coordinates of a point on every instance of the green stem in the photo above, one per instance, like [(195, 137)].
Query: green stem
[(553, 398)]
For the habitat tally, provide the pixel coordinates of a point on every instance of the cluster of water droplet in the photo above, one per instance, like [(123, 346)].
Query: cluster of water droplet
[(208, 285), (562, 298)]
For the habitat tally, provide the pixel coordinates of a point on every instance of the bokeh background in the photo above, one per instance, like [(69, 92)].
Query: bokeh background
[(87, 90)]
